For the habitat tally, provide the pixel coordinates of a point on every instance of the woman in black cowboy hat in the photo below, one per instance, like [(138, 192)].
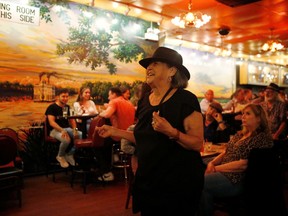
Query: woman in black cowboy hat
[(168, 137)]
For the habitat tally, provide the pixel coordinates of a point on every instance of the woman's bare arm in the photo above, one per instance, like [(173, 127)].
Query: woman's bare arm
[(108, 131)]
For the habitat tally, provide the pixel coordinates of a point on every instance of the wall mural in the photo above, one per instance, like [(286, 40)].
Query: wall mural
[(75, 44)]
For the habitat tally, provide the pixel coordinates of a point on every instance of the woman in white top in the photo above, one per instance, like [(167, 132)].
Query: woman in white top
[(83, 104)]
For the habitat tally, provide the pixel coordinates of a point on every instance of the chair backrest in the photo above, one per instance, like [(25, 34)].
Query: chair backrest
[(263, 183), (8, 149), (98, 121), (11, 133)]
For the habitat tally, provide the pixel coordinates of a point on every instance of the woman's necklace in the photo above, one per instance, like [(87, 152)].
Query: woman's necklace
[(159, 99)]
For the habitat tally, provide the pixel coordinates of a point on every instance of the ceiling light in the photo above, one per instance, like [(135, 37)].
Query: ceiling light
[(272, 45), (152, 34), (190, 19)]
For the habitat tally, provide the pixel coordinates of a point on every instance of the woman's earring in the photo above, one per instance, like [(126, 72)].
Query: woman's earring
[(169, 79)]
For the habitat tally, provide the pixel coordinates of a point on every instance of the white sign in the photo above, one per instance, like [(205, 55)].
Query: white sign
[(19, 13)]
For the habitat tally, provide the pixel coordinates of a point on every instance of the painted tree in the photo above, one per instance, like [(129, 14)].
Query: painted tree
[(95, 44)]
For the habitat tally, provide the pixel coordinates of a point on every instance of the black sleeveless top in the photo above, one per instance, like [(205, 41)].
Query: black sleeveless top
[(164, 166)]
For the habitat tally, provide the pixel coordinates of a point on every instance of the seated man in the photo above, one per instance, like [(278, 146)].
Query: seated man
[(121, 113), (215, 129), (209, 98), (60, 129), (276, 111)]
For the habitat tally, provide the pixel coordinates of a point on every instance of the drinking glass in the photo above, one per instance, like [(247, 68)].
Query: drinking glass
[(72, 112), (208, 146), (65, 112)]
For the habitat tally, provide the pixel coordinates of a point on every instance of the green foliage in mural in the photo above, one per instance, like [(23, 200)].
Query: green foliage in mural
[(92, 44), (46, 5), (93, 41)]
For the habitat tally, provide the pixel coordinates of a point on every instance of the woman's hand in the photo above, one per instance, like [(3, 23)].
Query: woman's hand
[(161, 125), (210, 168), (218, 117), (105, 131)]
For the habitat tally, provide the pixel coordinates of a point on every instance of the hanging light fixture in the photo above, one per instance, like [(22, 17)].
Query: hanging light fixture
[(272, 45), (190, 19)]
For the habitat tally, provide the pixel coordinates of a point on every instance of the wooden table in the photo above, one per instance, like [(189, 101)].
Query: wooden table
[(216, 149)]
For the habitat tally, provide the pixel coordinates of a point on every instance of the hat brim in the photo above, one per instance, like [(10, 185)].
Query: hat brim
[(274, 89), (218, 109), (147, 61)]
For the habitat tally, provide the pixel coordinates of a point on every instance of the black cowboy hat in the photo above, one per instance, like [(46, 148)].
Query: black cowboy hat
[(217, 106), (170, 56), (273, 87)]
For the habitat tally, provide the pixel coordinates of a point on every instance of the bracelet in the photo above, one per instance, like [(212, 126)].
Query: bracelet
[(75, 129)]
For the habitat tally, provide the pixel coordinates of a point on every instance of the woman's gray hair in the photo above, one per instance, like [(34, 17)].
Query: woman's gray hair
[(179, 80)]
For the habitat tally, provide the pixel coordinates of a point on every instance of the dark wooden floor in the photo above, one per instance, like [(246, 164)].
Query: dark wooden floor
[(41, 196)]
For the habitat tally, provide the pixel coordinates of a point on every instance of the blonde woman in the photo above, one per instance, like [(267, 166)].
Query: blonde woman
[(224, 174)]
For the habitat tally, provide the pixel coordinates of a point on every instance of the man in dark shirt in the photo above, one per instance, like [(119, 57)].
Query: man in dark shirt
[(61, 128), (215, 128)]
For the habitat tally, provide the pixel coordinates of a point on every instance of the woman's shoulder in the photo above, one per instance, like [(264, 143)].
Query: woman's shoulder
[(188, 99), (263, 139), (187, 94), (91, 102), (76, 103)]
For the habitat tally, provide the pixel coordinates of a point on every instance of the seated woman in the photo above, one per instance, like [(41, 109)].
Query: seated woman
[(84, 105), (215, 129), (224, 174)]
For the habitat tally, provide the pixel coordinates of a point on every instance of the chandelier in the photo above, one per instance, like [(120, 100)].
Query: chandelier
[(272, 45), (191, 19)]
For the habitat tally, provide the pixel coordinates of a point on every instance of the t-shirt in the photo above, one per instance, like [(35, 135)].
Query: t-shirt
[(124, 114), (55, 110)]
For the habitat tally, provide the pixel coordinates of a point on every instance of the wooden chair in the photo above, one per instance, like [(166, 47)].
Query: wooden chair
[(86, 153), (51, 148), (11, 178)]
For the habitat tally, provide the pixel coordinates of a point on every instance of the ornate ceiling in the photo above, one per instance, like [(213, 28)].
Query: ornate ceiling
[(249, 24)]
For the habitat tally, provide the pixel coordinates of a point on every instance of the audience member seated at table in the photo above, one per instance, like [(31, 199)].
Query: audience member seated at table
[(139, 92), (276, 111), (215, 128), (224, 174), (121, 114), (209, 98), (62, 129), (237, 102), (84, 105), (125, 92), (260, 97), (248, 95)]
